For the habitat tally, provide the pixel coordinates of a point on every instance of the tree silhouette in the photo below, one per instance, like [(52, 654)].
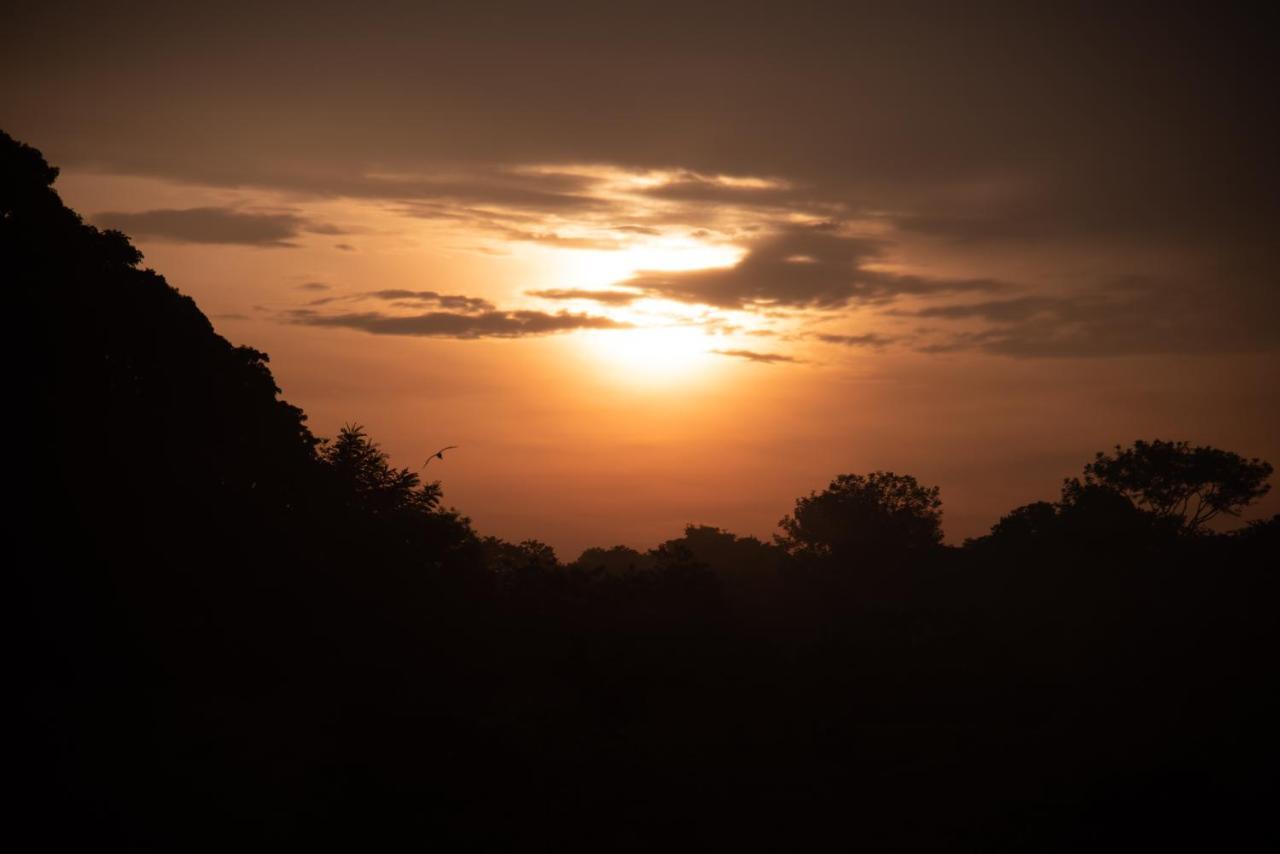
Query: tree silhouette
[(1180, 483), (858, 516), (617, 560), (1027, 522), (528, 556), (365, 471)]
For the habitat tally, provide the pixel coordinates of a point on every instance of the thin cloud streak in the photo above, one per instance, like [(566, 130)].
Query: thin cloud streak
[(1132, 316), (870, 339), (440, 324), (753, 356), (606, 297), (213, 225)]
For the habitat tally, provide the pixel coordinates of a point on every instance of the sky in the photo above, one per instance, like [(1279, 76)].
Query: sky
[(658, 264)]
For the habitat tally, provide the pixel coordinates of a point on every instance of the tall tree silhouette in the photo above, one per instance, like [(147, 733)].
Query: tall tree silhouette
[(369, 478)]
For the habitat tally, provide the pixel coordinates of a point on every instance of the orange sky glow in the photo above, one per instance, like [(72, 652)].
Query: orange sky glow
[(684, 412), (646, 276)]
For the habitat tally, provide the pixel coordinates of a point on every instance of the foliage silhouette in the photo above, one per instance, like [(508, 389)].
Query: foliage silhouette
[(367, 475), (875, 516), (1184, 484), (616, 560), (235, 634)]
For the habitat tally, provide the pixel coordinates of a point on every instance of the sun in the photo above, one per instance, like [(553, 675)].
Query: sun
[(652, 355), (661, 343)]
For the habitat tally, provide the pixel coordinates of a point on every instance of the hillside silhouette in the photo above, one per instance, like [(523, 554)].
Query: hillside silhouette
[(234, 634)]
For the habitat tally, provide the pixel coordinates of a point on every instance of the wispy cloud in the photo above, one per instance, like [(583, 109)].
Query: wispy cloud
[(814, 266), (456, 302), (442, 324), (412, 299), (869, 339), (753, 356), (1129, 316), (607, 297), (213, 225)]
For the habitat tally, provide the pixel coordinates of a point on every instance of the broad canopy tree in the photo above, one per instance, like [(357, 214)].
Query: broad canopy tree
[(878, 515), (1186, 485)]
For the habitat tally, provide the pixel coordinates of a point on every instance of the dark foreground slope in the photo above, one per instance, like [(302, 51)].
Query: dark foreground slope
[(233, 637), (203, 596)]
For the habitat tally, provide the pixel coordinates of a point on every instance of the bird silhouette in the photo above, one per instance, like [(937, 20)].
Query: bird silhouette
[(438, 455)]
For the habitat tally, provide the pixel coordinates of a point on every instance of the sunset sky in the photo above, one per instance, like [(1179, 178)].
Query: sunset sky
[(687, 262)]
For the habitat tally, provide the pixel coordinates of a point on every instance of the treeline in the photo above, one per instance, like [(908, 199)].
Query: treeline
[(234, 634)]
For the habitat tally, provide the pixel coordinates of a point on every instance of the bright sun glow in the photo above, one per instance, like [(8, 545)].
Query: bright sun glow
[(600, 268), (668, 343), (663, 355)]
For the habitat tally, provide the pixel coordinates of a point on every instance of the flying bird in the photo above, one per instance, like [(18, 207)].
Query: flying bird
[(438, 455)]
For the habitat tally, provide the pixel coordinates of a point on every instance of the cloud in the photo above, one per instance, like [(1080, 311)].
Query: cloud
[(1130, 316), (210, 225), (497, 186), (753, 356), (325, 228), (969, 142), (801, 266), (1020, 308), (314, 286), (563, 241), (413, 299), (442, 324), (706, 190), (455, 302), (870, 339), (526, 224), (997, 222), (892, 114), (608, 297)]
